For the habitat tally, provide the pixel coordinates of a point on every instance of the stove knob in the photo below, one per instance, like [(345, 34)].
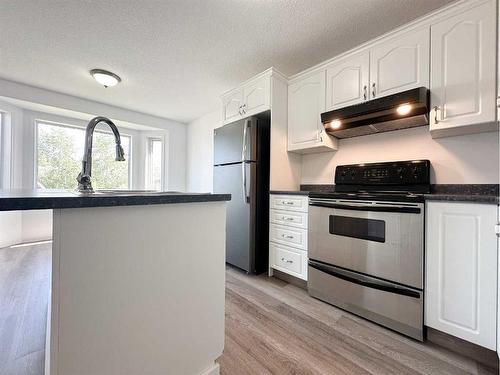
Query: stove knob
[(400, 171)]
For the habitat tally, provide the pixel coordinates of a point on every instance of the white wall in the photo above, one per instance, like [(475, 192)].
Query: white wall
[(10, 228), (36, 225), (469, 159), (200, 153)]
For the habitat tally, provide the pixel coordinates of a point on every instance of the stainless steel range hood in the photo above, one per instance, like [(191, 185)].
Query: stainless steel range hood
[(406, 109)]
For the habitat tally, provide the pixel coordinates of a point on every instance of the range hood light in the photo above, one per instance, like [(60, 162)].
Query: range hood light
[(403, 109), (335, 124)]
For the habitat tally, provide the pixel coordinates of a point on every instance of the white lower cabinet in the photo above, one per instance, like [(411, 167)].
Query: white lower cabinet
[(288, 235), (461, 271), (289, 260)]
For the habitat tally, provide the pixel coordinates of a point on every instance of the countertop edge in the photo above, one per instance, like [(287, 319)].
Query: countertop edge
[(465, 198), (54, 203), (289, 192)]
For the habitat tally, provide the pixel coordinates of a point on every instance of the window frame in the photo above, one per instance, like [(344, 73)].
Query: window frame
[(150, 138), (38, 121)]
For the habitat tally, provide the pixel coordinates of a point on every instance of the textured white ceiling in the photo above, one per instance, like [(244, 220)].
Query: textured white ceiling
[(176, 57)]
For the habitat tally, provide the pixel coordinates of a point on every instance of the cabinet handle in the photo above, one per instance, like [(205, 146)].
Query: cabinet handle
[(287, 218), (373, 90), (287, 236), (243, 108), (365, 92), (239, 111), (286, 260), (288, 203), (436, 109)]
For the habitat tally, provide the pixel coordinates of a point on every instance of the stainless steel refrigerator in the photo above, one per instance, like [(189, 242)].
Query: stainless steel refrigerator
[(241, 168)]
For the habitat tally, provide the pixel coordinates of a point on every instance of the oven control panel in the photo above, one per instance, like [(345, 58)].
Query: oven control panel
[(412, 172)]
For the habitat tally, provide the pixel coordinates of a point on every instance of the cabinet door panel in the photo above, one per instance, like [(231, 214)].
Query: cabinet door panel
[(256, 96), (306, 101), (461, 271), (463, 69), (231, 106), (347, 82), (400, 64)]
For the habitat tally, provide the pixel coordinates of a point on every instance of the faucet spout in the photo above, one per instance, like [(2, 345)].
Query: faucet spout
[(84, 177)]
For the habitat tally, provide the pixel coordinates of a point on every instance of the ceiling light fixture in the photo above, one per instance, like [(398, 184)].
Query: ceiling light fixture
[(335, 124), (403, 109), (105, 78)]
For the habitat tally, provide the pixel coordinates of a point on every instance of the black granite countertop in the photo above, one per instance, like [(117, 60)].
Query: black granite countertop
[(477, 193), (11, 200)]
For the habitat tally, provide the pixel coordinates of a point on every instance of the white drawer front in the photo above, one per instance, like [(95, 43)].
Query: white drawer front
[(288, 218), (289, 202), (295, 237), (289, 260)]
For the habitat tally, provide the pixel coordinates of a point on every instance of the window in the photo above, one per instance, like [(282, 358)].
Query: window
[(154, 163), (59, 151)]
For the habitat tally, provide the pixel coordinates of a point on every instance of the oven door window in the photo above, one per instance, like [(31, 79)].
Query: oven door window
[(355, 227)]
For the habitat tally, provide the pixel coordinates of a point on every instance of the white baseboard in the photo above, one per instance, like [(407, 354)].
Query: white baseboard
[(212, 370)]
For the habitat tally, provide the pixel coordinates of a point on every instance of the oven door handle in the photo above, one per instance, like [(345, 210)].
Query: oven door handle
[(401, 209), (369, 282)]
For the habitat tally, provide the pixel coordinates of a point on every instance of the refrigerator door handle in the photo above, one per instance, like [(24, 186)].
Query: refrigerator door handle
[(244, 178), (245, 141)]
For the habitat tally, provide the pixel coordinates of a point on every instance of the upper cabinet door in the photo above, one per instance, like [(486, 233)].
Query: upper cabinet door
[(256, 96), (463, 72), (347, 81), (231, 106), (400, 64), (306, 101)]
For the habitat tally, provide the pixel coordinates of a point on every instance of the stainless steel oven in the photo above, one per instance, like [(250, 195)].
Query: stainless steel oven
[(367, 257), (366, 243), (381, 239)]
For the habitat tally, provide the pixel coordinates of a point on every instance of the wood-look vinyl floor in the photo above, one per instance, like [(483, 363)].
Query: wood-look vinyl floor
[(272, 327), (24, 293)]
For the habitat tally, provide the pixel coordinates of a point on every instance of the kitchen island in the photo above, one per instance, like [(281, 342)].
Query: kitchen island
[(137, 281)]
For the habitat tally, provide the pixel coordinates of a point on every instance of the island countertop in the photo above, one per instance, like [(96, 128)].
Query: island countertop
[(23, 199)]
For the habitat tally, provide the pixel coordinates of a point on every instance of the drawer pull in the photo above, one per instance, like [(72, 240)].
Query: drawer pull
[(287, 236), (288, 218), (286, 260), (288, 203)]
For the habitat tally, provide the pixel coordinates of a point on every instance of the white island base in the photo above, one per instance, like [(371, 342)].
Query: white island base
[(137, 290)]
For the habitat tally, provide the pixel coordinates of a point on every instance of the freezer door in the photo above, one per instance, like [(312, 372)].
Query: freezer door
[(238, 180), (236, 142)]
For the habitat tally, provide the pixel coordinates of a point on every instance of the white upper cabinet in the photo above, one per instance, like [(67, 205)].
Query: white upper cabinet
[(400, 64), (249, 99), (231, 106), (256, 96), (347, 81), (306, 102), (461, 270), (463, 87)]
